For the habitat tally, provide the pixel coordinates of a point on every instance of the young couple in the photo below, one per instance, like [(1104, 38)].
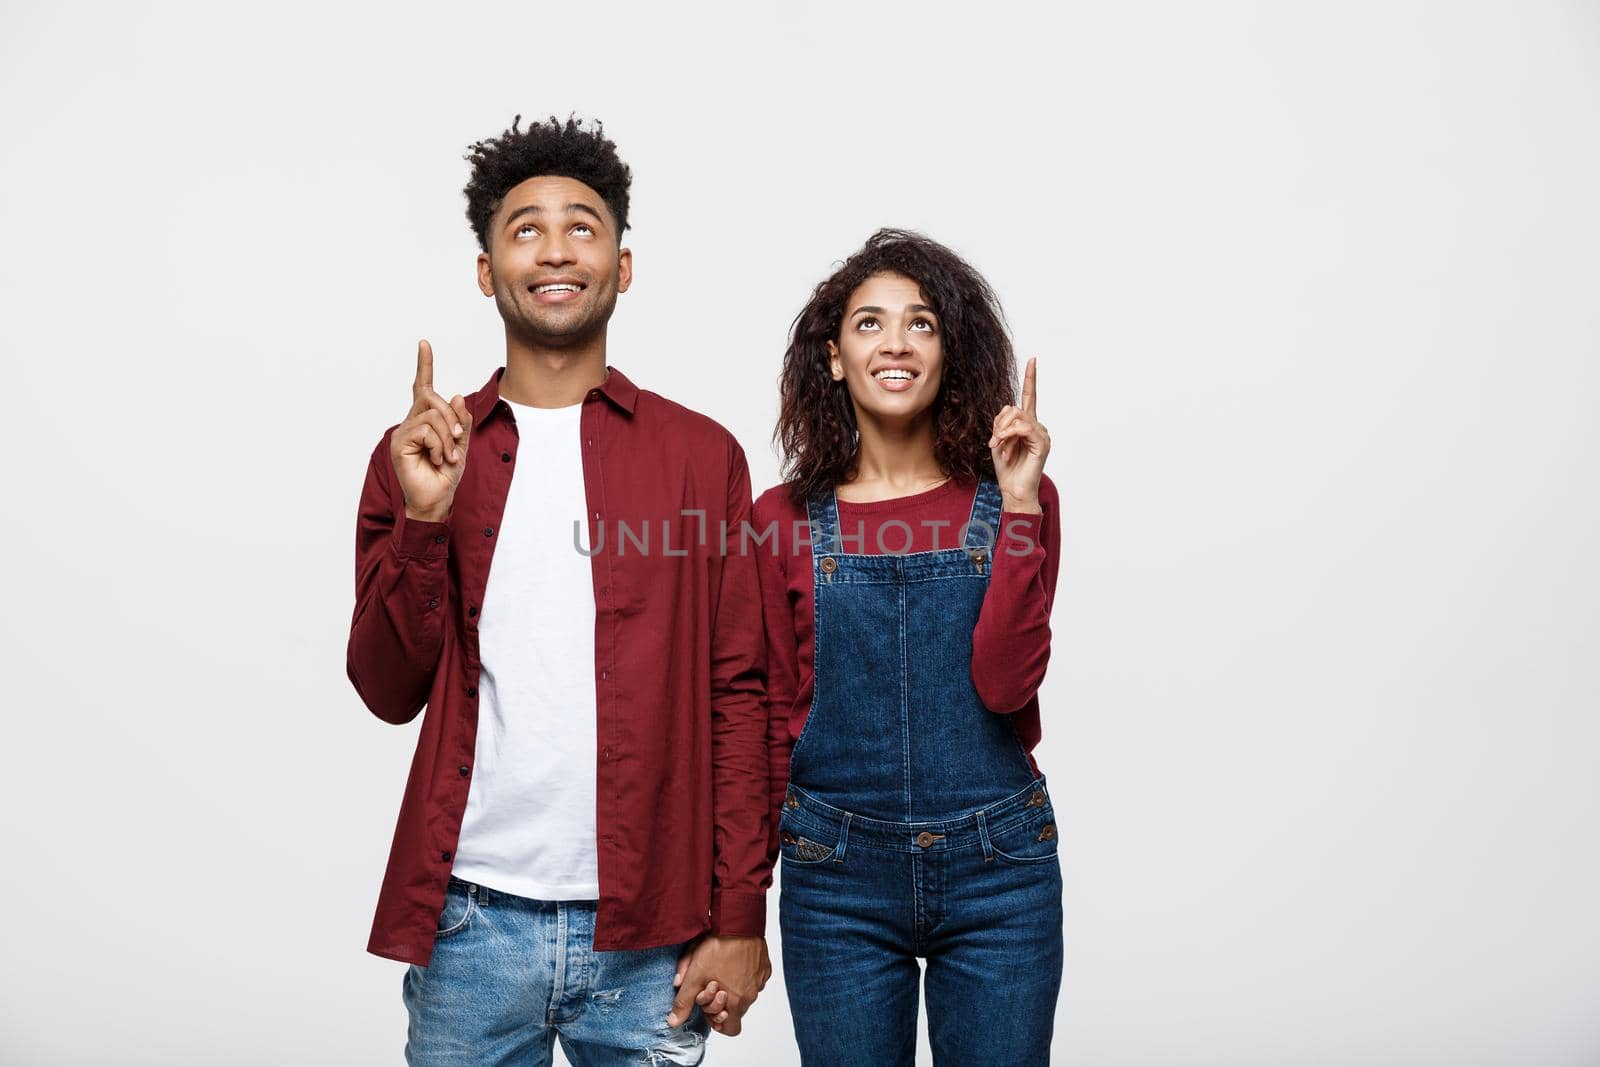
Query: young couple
[(624, 732)]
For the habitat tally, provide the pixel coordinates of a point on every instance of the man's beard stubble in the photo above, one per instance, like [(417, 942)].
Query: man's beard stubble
[(536, 329)]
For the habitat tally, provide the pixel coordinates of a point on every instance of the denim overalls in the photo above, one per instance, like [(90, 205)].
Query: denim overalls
[(913, 824)]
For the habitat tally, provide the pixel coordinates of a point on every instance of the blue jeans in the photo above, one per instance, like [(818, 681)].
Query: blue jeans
[(981, 901), (510, 975)]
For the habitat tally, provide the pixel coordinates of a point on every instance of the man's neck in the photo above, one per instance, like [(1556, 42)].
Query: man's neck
[(544, 377)]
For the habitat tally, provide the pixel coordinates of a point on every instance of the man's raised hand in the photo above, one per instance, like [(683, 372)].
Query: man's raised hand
[(429, 449)]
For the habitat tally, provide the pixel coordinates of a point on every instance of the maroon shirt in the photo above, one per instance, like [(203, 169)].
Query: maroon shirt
[(681, 766), (1010, 644)]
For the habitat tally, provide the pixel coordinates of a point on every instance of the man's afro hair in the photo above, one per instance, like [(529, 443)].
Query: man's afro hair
[(554, 148)]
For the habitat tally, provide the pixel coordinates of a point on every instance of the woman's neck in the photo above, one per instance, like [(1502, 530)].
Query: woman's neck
[(892, 461)]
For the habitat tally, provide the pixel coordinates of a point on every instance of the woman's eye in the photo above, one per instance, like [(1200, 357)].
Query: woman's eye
[(864, 323), (924, 323)]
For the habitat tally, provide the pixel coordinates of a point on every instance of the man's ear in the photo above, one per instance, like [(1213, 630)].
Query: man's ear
[(485, 275), (835, 364), (624, 269)]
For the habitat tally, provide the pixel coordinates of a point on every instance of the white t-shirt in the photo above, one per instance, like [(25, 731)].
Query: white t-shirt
[(529, 827)]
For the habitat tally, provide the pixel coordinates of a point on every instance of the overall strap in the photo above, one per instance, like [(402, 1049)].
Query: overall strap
[(822, 509), (983, 525)]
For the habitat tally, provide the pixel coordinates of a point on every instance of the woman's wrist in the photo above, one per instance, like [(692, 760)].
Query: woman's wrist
[(1021, 505)]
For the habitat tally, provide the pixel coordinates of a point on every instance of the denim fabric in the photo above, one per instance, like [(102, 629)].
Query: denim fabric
[(914, 825), (510, 975)]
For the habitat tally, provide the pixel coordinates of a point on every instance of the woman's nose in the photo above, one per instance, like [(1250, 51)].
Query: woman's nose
[(894, 343)]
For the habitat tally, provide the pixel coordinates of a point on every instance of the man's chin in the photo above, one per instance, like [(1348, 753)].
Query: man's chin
[(559, 332)]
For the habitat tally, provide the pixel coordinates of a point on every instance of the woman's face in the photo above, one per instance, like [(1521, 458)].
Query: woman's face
[(889, 353)]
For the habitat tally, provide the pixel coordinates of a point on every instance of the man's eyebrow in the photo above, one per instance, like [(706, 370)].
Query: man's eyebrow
[(535, 209)]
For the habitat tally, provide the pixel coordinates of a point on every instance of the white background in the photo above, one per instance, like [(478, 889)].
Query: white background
[(1314, 293)]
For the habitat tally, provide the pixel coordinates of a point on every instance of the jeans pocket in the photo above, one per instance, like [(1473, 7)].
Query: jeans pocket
[(460, 904), (804, 845), (1029, 840)]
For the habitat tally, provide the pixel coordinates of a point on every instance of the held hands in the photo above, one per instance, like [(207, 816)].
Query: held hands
[(429, 449), (1019, 446), (742, 967)]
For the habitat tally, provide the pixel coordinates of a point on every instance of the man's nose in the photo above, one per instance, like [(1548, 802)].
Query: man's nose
[(555, 251)]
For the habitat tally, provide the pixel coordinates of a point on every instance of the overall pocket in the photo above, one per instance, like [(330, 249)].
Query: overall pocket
[(804, 845), (1029, 840)]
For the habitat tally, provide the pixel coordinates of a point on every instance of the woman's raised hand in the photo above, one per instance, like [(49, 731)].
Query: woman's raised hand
[(1019, 446)]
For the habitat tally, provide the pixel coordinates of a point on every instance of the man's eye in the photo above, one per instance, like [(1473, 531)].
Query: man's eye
[(583, 226), (525, 229)]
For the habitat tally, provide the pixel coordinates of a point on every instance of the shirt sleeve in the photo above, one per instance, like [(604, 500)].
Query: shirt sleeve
[(1011, 644), (783, 665), (397, 628), (740, 873)]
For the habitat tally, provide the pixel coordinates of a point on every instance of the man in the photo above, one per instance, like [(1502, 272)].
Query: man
[(584, 826)]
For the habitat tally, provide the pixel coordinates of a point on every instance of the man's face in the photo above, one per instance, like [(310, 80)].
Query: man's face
[(553, 265)]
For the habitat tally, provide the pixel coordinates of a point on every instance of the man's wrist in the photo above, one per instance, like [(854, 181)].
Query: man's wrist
[(438, 513)]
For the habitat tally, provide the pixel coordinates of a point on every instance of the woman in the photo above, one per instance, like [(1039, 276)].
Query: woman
[(908, 630)]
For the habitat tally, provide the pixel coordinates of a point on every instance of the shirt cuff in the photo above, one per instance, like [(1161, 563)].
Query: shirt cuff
[(738, 914), (418, 538), (1021, 533)]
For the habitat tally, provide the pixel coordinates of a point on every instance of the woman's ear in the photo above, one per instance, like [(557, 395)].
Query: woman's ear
[(835, 365)]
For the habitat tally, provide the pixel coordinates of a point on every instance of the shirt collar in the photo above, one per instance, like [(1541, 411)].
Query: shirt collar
[(621, 392)]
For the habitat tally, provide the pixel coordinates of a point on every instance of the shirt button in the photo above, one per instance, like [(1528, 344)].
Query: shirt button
[(505, 457), (605, 753), (488, 531), (472, 612), (472, 690), (433, 602), (603, 676), (465, 770), (438, 539), (590, 442), (445, 855)]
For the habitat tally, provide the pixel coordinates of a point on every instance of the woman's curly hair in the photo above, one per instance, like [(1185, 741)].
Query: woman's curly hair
[(555, 148), (816, 429)]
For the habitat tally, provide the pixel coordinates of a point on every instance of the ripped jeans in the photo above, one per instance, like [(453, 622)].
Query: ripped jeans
[(510, 975)]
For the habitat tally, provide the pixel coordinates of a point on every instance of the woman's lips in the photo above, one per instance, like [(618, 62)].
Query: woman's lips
[(895, 382)]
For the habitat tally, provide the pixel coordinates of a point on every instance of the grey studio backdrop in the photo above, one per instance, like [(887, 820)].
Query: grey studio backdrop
[(1313, 291)]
